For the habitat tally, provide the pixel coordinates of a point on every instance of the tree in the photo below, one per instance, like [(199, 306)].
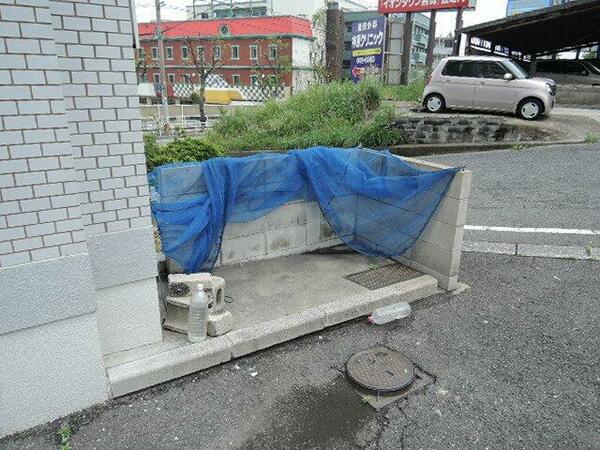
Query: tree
[(204, 66), (142, 64), (272, 67)]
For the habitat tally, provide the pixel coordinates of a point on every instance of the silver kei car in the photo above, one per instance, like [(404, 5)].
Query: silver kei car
[(486, 83)]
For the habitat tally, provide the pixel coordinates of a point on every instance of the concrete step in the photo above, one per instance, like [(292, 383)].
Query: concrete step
[(150, 365)]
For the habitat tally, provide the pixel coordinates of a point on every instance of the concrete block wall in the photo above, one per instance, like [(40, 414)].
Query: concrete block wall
[(294, 228), (299, 227), (438, 250), (77, 260)]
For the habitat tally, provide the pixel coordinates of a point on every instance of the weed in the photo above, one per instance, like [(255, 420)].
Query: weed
[(519, 146), (592, 138), (181, 150), (65, 433), (340, 114), (412, 92)]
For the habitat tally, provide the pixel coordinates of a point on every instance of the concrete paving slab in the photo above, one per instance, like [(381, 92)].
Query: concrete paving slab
[(261, 291), (273, 301)]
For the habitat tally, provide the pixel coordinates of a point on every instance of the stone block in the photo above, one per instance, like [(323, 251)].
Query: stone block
[(219, 324), (286, 239), (288, 215), (242, 248), (443, 235), (270, 333), (437, 258)]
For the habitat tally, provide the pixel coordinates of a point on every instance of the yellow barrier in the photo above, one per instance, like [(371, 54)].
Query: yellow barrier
[(222, 96)]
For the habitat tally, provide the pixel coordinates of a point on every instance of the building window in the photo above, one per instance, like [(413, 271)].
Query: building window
[(143, 78), (254, 80), (171, 78), (141, 52), (200, 53), (235, 52), (169, 51), (157, 78), (154, 52), (235, 79), (224, 30), (186, 78), (273, 51), (254, 52), (185, 52), (217, 52)]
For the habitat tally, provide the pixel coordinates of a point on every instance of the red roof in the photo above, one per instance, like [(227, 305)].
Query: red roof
[(247, 26)]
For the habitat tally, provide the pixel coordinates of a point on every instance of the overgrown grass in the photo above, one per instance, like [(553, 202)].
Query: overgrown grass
[(412, 92), (334, 114)]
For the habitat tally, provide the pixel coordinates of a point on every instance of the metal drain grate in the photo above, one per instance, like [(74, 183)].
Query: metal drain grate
[(383, 276)]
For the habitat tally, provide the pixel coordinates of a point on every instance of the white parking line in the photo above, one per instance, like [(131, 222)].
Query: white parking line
[(534, 230)]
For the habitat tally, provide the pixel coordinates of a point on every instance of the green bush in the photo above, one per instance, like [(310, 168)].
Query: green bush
[(340, 114), (181, 150)]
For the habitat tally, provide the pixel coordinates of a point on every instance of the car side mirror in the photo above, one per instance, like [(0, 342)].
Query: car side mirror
[(508, 76)]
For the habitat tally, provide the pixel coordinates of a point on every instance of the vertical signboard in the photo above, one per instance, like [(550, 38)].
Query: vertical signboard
[(368, 39)]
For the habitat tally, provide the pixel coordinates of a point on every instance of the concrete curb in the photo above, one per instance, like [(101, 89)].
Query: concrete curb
[(412, 150), (143, 370), (538, 251)]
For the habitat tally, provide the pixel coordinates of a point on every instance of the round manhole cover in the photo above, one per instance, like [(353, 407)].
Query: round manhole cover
[(380, 370)]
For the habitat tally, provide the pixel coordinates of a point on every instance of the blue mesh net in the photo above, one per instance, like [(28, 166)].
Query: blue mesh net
[(374, 201)]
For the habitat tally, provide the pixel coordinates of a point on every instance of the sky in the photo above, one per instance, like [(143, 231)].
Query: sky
[(486, 10)]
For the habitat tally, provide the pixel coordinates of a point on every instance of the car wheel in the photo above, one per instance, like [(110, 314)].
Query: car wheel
[(434, 103), (530, 109)]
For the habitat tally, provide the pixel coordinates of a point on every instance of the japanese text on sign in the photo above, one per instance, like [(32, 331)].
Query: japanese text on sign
[(395, 6), (368, 38)]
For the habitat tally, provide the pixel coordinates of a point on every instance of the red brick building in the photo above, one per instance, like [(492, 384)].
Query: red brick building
[(245, 49)]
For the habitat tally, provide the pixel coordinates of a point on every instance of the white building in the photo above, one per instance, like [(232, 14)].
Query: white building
[(207, 9)]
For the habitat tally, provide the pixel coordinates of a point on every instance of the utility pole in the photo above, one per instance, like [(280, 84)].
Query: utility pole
[(458, 32), (406, 49), (161, 59), (431, 43)]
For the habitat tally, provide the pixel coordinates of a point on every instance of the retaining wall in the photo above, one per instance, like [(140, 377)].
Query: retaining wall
[(447, 129)]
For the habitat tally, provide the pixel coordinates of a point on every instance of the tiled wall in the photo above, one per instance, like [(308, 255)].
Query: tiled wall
[(40, 215), (94, 45), (77, 260)]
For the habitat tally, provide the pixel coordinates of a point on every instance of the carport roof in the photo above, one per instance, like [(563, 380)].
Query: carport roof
[(572, 25)]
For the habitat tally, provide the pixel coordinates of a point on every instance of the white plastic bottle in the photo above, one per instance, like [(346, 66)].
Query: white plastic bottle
[(198, 315), (390, 313)]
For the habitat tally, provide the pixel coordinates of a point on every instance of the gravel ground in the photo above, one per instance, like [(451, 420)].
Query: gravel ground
[(514, 360)]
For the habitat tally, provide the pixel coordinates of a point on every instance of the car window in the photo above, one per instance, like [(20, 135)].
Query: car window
[(459, 69), (493, 70)]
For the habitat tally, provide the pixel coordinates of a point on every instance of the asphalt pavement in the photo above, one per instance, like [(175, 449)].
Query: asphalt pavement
[(555, 188), (514, 363)]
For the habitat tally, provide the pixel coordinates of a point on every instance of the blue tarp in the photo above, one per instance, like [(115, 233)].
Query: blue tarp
[(378, 204)]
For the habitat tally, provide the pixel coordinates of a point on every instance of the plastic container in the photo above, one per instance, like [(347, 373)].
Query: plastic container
[(390, 313), (198, 315)]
